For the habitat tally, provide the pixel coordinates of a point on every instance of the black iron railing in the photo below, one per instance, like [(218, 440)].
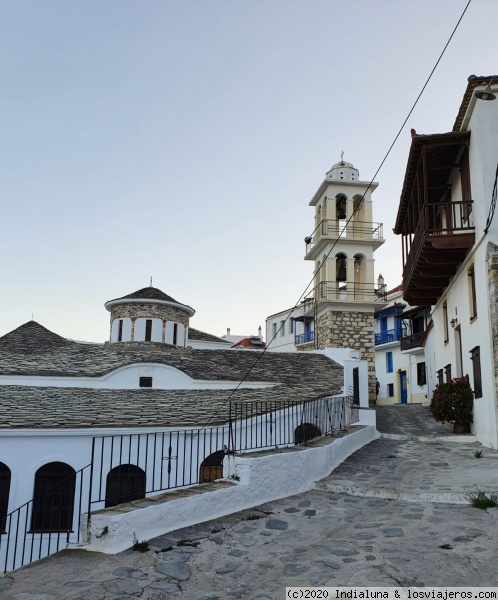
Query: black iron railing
[(330, 228), (45, 524), (130, 467)]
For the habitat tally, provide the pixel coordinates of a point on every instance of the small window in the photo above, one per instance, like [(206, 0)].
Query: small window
[(389, 362), (445, 322), (390, 390), (120, 330), (472, 294), (447, 373), (145, 382), (175, 334), (274, 329), (148, 330), (440, 376), (475, 356), (291, 325), (282, 328), (421, 377)]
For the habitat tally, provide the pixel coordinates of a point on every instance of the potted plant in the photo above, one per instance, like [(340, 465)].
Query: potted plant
[(452, 402)]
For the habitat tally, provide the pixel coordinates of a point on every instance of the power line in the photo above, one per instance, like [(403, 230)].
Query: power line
[(296, 305)]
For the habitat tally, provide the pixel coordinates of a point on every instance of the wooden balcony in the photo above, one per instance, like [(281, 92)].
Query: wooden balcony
[(412, 341), (444, 234)]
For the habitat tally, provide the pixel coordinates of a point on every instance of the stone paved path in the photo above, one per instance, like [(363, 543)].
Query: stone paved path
[(317, 538)]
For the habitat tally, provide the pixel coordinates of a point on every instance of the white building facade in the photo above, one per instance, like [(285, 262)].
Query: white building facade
[(450, 249)]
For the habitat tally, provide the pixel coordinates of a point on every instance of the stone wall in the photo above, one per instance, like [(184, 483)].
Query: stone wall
[(149, 310), (349, 329)]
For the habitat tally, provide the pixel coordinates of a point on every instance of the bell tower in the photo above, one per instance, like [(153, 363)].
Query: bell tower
[(340, 308)]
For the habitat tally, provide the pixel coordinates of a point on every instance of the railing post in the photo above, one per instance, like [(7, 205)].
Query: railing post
[(90, 490)]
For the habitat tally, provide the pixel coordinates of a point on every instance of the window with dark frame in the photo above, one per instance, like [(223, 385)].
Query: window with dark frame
[(53, 498), (421, 376), (389, 362), (4, 495), (120, 330), (447, 373), (440, 376), (145, 382), (175, 334), (445, 322), (472, 293), (148, 330), (465, 183), (390, 390), (475, 357)]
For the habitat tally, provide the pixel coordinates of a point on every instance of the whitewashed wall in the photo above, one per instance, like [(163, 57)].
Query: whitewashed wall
[(163, 377)]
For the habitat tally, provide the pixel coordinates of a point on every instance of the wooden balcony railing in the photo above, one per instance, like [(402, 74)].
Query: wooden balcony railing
[(443, 229), (412, 341)]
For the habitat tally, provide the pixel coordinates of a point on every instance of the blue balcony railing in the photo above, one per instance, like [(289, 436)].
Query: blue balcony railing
[(302, 338), (391, 335)]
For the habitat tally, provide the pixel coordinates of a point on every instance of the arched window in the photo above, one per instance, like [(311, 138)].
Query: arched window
[(4, 494), (305, 432), (357, 206), (212, 467), (340, 206), (340, 267), (124, 484), (53, 498)]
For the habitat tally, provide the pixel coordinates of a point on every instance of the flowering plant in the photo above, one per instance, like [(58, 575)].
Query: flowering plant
[(453, 401)]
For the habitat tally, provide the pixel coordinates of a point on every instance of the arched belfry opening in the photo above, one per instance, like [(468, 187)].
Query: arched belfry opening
[(341, 267), (340, 206)]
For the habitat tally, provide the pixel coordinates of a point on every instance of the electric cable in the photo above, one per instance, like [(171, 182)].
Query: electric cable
[(296, 305)]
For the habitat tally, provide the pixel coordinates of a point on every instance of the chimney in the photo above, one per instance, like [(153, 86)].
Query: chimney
[(260, 332), (228, 330)]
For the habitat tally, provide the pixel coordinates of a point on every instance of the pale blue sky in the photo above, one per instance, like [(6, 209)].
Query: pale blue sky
[(184, 140)]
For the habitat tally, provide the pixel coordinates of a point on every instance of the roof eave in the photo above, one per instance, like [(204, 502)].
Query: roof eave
[(184, 307)]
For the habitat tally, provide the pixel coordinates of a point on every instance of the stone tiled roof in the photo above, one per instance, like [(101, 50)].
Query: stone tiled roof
[(196, 334), (149, 293), (32, 338), (301, 376)]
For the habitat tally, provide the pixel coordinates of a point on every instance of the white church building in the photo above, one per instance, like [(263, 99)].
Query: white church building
[(86, 427)]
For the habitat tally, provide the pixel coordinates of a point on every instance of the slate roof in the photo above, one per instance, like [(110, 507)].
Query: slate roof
[(196, 334), (301, 376), (147, 293)]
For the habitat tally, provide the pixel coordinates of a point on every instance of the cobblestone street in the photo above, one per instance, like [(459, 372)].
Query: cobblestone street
[(393, 514)]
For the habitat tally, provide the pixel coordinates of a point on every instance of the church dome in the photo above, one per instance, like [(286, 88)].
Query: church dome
[(149, 315)]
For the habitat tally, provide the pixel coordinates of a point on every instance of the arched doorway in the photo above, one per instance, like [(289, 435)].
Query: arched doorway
[(53, 498), (305, 432), (212, 467), (124, 484), (4, 494)]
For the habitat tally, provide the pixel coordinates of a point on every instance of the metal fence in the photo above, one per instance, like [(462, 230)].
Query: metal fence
[(133, 466)]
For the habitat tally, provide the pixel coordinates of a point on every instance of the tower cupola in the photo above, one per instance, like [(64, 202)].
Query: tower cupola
[(149, 315), (343, 171)]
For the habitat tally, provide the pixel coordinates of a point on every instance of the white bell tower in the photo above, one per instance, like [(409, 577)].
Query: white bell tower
[(340, 309)]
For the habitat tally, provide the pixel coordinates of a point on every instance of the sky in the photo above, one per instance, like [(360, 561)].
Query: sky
[(184, 140)]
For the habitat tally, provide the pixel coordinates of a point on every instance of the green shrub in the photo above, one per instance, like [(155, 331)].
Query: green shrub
[(453, 401)]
